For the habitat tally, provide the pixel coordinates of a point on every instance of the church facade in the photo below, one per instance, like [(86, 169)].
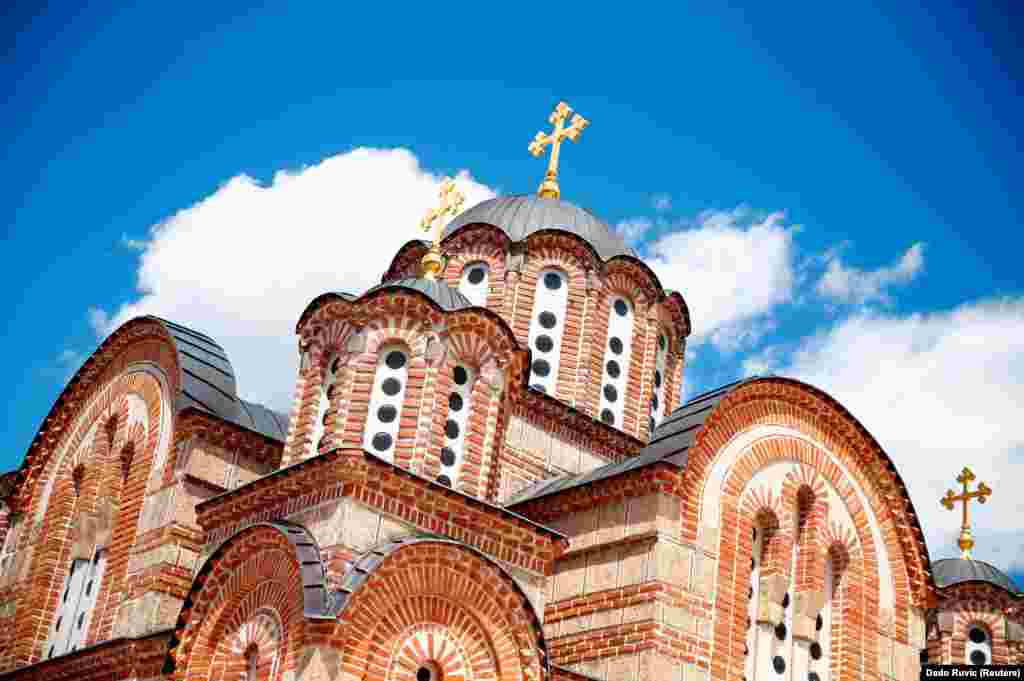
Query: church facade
[(487, 475)]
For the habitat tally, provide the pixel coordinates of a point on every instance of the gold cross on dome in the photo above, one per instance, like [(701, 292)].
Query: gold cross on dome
[(966, 542), (549, 187), (451, 205)]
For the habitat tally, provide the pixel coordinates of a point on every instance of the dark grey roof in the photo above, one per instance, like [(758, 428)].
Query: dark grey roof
[(208, 384), (671, 443), (950, 571), (441, 293), (522, 215)]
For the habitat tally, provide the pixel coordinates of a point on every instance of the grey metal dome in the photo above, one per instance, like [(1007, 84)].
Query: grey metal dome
[(522, 215), (441, 293), (950, 571)]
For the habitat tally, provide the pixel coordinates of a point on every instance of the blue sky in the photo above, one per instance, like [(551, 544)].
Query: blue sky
[(835, 190)]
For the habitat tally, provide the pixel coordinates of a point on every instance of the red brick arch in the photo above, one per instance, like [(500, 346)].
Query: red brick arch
[(255, 572), (979, 613), (450, 590)]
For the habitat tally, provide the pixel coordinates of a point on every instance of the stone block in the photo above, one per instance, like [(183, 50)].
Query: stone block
[(669, 509), (623, 668), (362, 526), (635, 563), (603, 570)]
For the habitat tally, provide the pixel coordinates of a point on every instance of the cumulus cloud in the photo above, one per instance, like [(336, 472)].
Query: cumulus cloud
[(733, 268), (633, 230), (938, 391), (852, 286), (242, 263)]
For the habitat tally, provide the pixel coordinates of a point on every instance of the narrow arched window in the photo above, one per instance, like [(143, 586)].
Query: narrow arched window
[(616, 361), (979, 645), (76, 603), (252, 660), (327, 387), (547, 327), (821, 646), (453, 452), (756, 558), (658, 393), (386, 397), (474, 283)]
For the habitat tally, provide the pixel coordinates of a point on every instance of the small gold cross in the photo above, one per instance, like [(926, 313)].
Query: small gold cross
[(451, 205), (549, 187), (966, 542)]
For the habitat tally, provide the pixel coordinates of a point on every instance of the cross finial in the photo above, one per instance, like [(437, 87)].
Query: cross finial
[(966, 542), (549, 187), (451, 205)]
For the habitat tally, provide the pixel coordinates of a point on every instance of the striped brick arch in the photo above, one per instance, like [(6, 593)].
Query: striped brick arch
[(441, 607)]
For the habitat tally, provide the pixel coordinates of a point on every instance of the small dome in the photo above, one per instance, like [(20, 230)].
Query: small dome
[(441, 293), (950, 571), (520, 216)]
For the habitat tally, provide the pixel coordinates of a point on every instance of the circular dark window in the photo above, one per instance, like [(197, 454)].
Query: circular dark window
[(386, 414), (616, 345), (813, 676), (541, 367), (335, 365), (460, 375), (395, 360), (819, 623), (621, 308), (613, 368), (544, 343), (607, 416), (785, 601), (552, 281), (657, 378), (444, 480), (778, 664), (977, 635), (539, 388), (447, 456), (455, 402), (978, 658), (476, 275), (662, 342), (391, 386), (781, 631), (451, 429), (610, 393), (815, 651), (424, 675), (382, 442), (547, 319)]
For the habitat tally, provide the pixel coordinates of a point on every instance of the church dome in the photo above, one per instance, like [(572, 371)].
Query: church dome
[(522, 215), (950, 571), (441, 293)]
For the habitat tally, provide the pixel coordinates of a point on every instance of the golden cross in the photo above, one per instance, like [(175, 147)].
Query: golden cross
[(966, 543), (549, 187), (451, 205)]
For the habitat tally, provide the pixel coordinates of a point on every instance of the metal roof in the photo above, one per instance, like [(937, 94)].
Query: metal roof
[(950, 571), (522, 215), (441, 293), (670, 443), (208, 384)]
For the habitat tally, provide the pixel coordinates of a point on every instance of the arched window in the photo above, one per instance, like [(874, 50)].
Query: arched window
[(76, 604), (756, 558), (547, 327), (821, 645), (452, 454), (474, 283), (616, 361), (386, 401), (327, 387), (658, 394), (252, 660), (979, 645)]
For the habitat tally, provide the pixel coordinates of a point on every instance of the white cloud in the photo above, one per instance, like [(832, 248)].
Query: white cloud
[(242, 264), (662, 203), (939, 391), (857, 287), (732, 269)]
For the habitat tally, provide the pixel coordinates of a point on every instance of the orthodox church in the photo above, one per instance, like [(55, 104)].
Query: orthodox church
[(486, 475)]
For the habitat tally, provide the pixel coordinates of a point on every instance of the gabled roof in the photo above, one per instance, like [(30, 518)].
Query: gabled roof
[(670, 444)]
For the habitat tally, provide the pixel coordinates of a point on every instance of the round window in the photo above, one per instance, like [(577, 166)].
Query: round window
[(447, 456), (444, 480), (451, 429), (978, 658), (382, 442), (460, 375), (815, 651), (778, 664), (455, 402), (610, 393), (547, 319), (541, 367), (552, 281), (476, 275), (621, 308), (395, 360), (544, 343), (977, 635), (616, 345), (391, 386), (613, 368), (607, 416), (387, 414)]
